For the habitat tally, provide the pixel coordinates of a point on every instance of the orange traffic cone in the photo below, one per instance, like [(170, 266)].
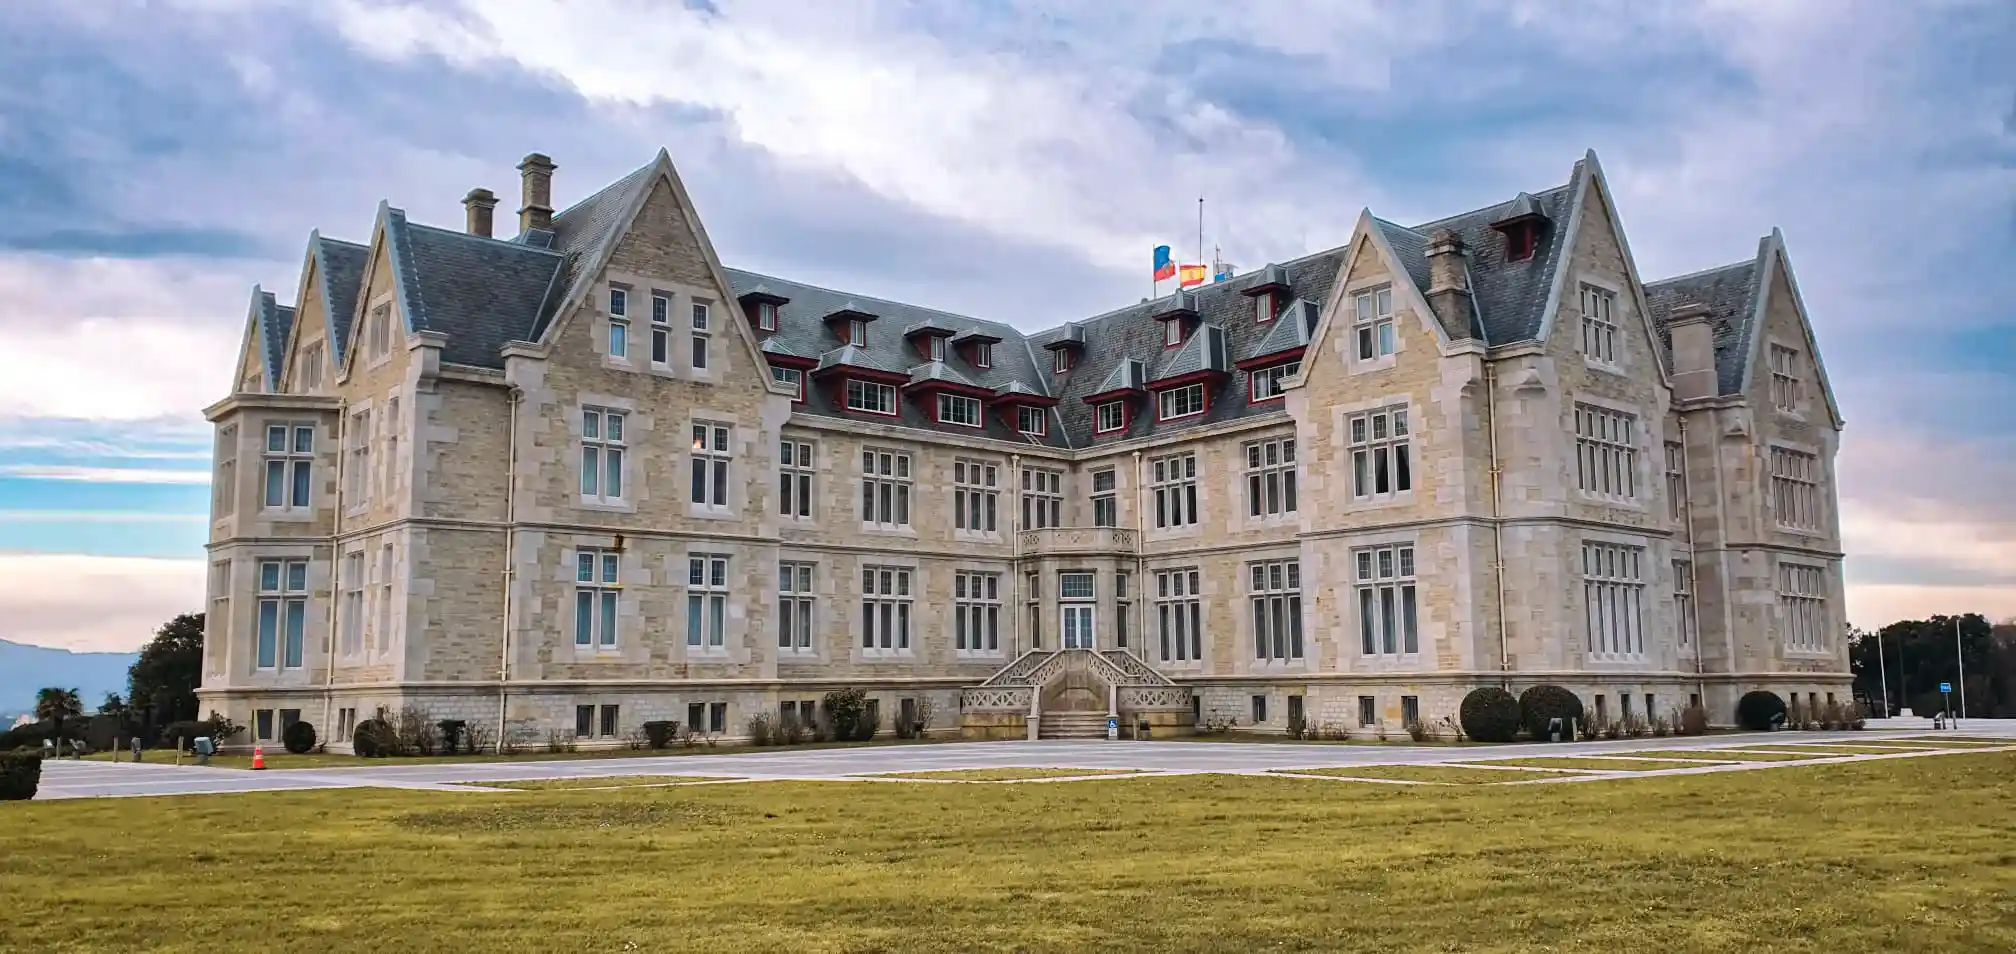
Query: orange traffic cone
[(258, 758)]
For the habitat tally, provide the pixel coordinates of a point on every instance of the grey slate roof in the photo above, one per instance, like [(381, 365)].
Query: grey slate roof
[(939, 371), (1509, 297), (580, 234), (341, 265), (273, 322), (1731, 293), (1203, 350), (481, 292), (1291, 330), (849, 356), (1127, 375)]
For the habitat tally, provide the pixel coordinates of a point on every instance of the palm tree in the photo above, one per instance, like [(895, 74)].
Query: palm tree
[(55, 705)]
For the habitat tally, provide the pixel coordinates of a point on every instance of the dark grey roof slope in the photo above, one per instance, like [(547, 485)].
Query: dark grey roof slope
[(341, 265), (1730, 292), (274, 320), (480, 292), (1509, 296), (581, 234), (801, 329), (1291, 330)]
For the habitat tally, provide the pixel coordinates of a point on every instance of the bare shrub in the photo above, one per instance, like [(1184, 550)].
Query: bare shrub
[(760, 728), (478, 737), (415, 732)]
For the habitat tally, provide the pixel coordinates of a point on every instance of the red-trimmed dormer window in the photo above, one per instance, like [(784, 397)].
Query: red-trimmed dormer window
[(1263, 307), (857, 333), (766, 316), (934, 347), (1177, 403), (1519, 242), (1110, 416), (1031, 420), (1172, 333), (983, 354)]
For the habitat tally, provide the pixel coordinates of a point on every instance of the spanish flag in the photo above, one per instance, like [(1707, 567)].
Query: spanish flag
[(1190, 275), (1165, 265)]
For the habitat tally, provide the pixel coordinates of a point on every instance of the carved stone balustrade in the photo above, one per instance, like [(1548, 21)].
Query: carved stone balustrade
[(1080, 541)]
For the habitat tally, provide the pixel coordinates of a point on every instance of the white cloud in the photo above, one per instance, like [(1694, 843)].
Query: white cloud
[(104, 475), (93, 603), (98, 516), (1876, 606)]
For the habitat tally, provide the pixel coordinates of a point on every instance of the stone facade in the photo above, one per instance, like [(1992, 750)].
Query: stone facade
[(399, 527)]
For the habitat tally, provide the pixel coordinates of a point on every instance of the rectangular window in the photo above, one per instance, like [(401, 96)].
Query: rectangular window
[(795, 467), (717, 718), (1265, 383), (983, 354), (1613, 596), (224, 488), (378, 332), (283, 613), (885, 610), (934, 347), (597, 584), (584, 722), (1042, 498), (701, 332), (712, 453), (619, 338), (1795, 488), (609, 722), (1259, 709), (976, 495), (290, 466), (1786, 391), (706, 602), (885, 488), (385, 580), (794, 607), (1179, 615), (1382, 458), (766, 316), (1276, 588), (262, 725), (661, 330), (1372, 321), (1032, 589), (1802, 607), (1263, 308), (619, 302), (346, 722), (389, 430), (976, 613), (1123, 608), (696, 717), (1599, 325), (1032, 420), (792, 378), (1676, 480), (1368, 710), (1606, 452), (1410, 710), (1172, 332), (1186, 401), (1077, 585), (357, 476), (1270, 477), (871, 398), (1060, 361), (311, 367), (958, 409), (1683, 602), (1388, 620), (352, 610), (1105, 499), (217, 625), (1175, 489), (857, 333), (1112, 416), (602, 451)]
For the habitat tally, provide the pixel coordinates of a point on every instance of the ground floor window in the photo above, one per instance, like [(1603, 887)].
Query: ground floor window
[(1410, 710), (1368, 710), (707, 717), (1259, 710), (262, 725), (346, 723)]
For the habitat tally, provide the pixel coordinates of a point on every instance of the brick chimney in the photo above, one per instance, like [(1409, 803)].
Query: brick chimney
[(537, 210), (1449, 284), (1693, 351), (481, 205)]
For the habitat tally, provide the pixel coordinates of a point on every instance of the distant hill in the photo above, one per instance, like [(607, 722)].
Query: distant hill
[(25, 669)]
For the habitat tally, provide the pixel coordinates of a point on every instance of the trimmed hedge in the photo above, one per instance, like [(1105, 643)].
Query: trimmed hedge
[(373, 739), (1541, 704), (20, 775), (847, 711), (660, 732), (1490, 714), (298, 737), (1760, 710)]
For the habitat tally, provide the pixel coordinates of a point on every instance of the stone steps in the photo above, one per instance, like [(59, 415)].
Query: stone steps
[(1071, 725)]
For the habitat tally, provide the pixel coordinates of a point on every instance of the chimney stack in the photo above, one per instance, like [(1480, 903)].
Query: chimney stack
[(1693, 351), (1449, 284), (537, 210), (481, 205)]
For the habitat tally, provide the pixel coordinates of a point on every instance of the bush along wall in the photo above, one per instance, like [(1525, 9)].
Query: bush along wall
[(20, 775), (1490, 714), (1540, 705)]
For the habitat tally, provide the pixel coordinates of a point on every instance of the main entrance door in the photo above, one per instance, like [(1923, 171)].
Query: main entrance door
[(1077, 626)]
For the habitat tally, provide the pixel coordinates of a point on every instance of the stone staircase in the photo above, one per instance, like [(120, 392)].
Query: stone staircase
[(1067, 724)]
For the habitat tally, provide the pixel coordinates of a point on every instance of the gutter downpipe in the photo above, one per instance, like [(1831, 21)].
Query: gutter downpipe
[(1139, 598), (510, 548), (1693, 588), (335, 565), (1497, 526)]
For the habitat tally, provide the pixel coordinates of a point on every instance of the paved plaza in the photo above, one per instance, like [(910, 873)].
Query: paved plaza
[(73, 779)]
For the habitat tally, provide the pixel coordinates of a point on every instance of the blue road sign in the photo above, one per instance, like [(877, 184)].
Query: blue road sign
[(1945, 687)]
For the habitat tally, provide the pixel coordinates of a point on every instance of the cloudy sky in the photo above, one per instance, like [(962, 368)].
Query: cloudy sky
[(1013, 159)]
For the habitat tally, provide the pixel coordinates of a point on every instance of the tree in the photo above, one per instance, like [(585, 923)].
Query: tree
[(55, 706), (163, 681), (1918, 655)]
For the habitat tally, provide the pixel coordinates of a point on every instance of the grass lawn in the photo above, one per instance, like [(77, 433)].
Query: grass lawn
[(1813, 860), (614, 781), (284, 760), (1978, 739), (1004, 774), (1420, 773), (1359, 737), (1600, 765), (1720, 755), (1822, 749)]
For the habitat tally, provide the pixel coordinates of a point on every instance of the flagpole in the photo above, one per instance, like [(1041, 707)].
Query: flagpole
[(1200, 229)]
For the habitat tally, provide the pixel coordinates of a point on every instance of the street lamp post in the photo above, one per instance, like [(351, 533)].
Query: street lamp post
[(1882, 675), (1961, 659)]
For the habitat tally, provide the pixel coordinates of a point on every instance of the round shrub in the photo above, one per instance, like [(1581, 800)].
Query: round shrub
[(1542, 704), (298, 737), (1760, 710), (20, 775), (1490, 714), (373, 739)]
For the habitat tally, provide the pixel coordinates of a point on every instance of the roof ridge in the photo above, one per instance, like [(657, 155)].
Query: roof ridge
[(1542, 194), (1750, 263), (856, 298), (490, 239), (619, 180)]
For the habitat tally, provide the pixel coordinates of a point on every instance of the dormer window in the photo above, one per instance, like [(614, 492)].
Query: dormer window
[(983, 355), (1519, 242), (1031, 420), (766, 316), (857, 333), (1263, 307), (1172, 334), (935, 347), (1060, 361)]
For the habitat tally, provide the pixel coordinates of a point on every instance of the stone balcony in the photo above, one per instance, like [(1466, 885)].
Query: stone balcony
[(1077, 541)]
